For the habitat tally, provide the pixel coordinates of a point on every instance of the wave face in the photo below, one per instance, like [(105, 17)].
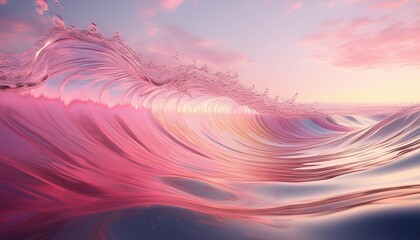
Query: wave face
[(89, 127)]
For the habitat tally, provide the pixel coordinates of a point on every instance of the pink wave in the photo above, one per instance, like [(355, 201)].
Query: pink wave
[(90, 126)]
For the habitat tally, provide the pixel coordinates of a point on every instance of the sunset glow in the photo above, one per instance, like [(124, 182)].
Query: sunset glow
[(199, 119)]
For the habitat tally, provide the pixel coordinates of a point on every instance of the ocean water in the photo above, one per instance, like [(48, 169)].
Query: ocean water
[(99, 143)]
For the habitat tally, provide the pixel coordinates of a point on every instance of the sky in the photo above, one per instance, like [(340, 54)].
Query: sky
[(327, 51)]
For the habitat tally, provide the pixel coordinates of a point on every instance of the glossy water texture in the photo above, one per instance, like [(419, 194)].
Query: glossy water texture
[(93, 135)]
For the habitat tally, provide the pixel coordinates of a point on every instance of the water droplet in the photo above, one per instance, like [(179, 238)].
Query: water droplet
[(117, 37), (205, 68), (41, 6), (93, 28), (73, 28), (58, 21), (176, 56)]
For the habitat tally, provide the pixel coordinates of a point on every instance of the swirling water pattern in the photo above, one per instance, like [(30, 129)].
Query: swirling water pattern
[(88, 126)]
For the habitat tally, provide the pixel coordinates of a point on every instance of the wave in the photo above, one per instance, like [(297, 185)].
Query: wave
[(90, 126), (87, 57)]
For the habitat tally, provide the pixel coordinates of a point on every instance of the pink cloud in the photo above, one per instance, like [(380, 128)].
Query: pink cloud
[(368, 43), (374, 4), (295, 6), (152, 31), (333, 3), (150, 12), (3, 2), (170, 4), (177, 45), (388, 4), (17, 35)]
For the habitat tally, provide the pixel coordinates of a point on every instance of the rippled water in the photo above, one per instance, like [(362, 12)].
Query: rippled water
[(96, 141)]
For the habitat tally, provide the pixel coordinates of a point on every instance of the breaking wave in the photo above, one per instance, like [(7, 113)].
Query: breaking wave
[(89, 126)]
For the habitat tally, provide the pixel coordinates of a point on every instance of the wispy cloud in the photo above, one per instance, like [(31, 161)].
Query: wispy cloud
[(333, 3), (374, 4), (367, 42), (3, 2), (149, 12), (149, 9), (152, 31), (170, 4), (179, 46), (295, 6), (388, 4), (18, 35)]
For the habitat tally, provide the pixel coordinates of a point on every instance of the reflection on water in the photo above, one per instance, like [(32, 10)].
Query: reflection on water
[(91, 132)]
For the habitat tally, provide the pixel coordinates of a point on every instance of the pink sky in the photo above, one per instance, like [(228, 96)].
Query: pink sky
[(364, 51)]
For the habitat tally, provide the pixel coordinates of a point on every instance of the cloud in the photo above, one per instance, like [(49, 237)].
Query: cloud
[(172, 45), (374, 4), (149, 9), (170, 4), (368, 43), (150, 12), (3, 2), (18, 35), (295, 6), (333, 3), (388, 4), (178, 46), (152, 31)]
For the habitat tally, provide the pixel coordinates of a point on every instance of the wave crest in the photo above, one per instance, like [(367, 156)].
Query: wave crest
[(108, 66)]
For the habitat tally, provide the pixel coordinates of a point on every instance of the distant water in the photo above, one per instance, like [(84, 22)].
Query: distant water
[(98, 143)]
